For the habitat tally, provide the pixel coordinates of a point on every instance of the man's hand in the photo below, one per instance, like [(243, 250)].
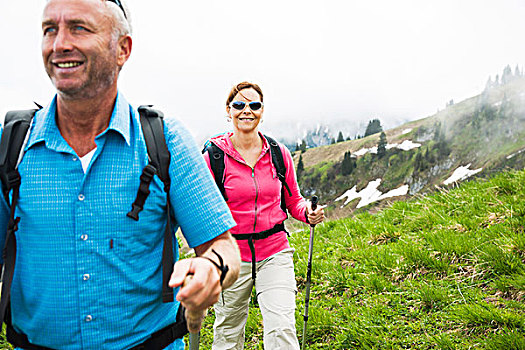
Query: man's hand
[(204, 287)]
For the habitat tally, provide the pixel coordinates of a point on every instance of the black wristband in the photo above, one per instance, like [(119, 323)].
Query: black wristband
[(222, 268)]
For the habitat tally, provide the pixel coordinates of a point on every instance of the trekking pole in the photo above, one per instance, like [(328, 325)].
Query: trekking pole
[(194, 321), (195, 339), (309, 273)]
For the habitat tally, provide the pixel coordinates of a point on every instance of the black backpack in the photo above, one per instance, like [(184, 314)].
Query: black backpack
[(14, 135), (217, 167)]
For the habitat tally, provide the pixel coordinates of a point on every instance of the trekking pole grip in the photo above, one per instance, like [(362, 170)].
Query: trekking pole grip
[(194, 318), (315, 200)]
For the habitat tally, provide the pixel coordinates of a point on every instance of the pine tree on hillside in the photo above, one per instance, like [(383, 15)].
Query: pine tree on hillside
[(340, 137), (381, 146), (517, 72), (300, 167), (507, 75), (374, 126), (489, 84), (418, 161), (303, 146), (348, 165)]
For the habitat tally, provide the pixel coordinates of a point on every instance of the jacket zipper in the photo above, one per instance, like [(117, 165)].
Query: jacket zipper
[(256, 197)]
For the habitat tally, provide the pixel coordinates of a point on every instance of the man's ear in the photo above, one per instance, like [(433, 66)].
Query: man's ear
[(124, 49)]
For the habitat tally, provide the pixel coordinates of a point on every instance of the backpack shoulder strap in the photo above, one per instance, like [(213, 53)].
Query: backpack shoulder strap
[(217, 166), (151, 122), (14, 136), (278, 162)]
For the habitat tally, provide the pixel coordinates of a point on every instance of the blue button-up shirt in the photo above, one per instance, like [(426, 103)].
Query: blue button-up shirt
[(87, 276)]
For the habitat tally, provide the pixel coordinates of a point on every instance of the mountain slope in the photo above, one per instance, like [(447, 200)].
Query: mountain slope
[(480, 135)]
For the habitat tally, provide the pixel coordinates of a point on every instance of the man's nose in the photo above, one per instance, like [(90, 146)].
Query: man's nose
[(62, 41)]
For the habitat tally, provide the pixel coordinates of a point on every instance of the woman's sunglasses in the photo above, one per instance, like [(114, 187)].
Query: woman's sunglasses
[(240, 105)]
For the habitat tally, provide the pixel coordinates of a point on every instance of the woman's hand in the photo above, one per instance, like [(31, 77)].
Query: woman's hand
[(315, 216)]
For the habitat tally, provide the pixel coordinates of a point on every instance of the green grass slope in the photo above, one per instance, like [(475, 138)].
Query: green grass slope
[(445, 271), (440, 272)]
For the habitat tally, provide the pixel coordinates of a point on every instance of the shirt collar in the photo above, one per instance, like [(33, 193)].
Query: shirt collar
[(45, 128)]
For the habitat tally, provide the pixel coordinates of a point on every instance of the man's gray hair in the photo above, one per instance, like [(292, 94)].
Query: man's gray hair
[(122, 22)]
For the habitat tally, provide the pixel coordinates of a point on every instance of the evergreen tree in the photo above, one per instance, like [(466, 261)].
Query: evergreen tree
[(340, 137), (332, 141), (348, 165), (303, 146), (418, 161), (300, 167), (496, 80), (517, 72), (488, 85), (507, 75), (381, 146), (374, 126)]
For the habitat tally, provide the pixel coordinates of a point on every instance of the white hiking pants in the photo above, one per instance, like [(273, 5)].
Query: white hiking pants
[(276, 290)]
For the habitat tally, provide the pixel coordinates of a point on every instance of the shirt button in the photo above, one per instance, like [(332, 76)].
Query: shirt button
[(84, 237), (85, 277), (88, 318), (75, 159), (81, 197)]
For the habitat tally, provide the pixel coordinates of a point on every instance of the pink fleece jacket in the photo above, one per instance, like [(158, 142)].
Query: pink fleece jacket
[(254, 197)]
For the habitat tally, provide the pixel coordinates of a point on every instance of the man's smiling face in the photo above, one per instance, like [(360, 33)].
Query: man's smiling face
[(78, 47)]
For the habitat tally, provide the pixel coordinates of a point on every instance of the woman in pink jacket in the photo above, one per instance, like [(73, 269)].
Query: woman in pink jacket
[(253, 193)]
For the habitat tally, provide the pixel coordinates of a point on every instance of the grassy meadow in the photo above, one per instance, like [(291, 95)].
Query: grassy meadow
[(445, 271)]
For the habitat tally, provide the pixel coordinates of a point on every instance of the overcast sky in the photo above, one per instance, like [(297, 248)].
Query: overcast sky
[(315, 60)]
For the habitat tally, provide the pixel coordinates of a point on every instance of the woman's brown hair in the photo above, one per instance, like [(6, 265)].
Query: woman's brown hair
[(241, 86)]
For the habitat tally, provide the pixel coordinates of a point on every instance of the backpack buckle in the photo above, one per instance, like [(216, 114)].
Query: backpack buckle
[(13, 179), (145, 179)]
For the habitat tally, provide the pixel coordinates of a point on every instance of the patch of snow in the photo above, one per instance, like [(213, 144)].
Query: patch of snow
[(406, 131), (515, 154), (371, 194), (350, 195), (497, 104), (400, 191), (408, 145), (391, 145), (361, 152), (461, 173)]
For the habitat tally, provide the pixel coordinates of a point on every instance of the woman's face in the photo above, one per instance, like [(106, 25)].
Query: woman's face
[(248, 118)]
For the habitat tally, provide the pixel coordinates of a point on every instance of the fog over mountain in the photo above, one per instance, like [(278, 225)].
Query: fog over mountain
[(336, 63)]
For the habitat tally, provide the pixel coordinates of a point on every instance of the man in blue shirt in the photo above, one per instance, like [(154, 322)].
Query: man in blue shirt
[(86, 275)]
